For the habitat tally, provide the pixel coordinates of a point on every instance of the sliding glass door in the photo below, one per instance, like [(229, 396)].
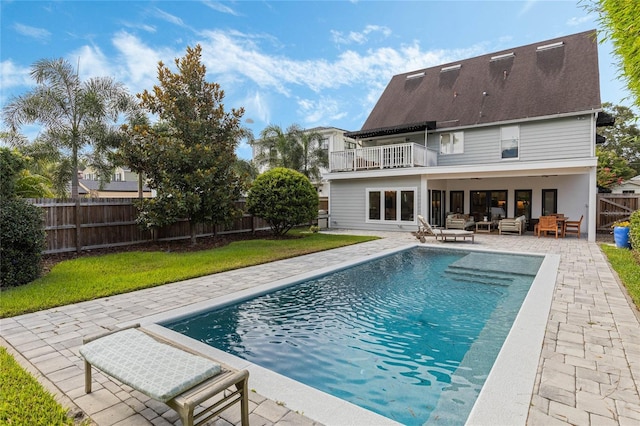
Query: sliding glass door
[(489, 204)]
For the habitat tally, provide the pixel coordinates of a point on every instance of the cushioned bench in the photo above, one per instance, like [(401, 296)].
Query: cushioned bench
[(167, 373)]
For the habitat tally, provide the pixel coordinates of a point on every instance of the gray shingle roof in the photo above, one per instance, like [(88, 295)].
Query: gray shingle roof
[(117, 186), (512, 84)]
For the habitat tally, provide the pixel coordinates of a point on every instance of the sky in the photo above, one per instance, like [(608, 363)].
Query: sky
[(312, 63)]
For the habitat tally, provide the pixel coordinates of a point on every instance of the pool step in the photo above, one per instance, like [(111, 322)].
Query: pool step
[(479, 277)]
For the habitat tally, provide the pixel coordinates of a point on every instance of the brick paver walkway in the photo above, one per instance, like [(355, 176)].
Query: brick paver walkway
[(588, 374)]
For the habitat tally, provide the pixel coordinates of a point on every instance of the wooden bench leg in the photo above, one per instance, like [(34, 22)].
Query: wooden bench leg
[(87, 377)]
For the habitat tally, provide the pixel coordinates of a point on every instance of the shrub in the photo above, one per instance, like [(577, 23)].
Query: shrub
[(284, 198), (11, 163), (21, 242), (634, 231)]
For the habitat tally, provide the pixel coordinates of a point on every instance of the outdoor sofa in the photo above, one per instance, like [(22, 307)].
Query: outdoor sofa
[(459, 221), (512, 225)]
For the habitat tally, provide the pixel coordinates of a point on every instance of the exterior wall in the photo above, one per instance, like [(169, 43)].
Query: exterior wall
[(562, 138), (573, 193), (348, 197), (347, 203)]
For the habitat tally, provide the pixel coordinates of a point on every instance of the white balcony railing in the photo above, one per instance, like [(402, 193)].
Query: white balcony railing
[(383, 157)]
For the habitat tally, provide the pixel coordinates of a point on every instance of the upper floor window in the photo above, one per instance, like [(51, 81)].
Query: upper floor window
[(509, 141), (452, 143), (349, 145), (324, 144)]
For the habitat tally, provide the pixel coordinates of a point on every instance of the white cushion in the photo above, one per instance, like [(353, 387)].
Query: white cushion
[(158, 370)]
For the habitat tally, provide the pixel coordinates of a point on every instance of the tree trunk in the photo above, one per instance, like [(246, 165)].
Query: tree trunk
[(192, 228)]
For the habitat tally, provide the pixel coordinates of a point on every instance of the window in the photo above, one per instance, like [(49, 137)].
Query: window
[(324, 144), (391, 205), (523, 202), (374, 205), (509, 141), (452, 143), (549, 201), (456, 202), (349, 145)]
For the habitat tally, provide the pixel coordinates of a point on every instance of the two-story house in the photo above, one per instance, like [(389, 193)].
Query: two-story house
[(509, 133), (124, 184), (331, 139)]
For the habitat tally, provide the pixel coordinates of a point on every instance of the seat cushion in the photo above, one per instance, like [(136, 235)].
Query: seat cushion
[(156, 369)]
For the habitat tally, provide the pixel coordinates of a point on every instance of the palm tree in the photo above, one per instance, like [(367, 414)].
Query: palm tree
[(74, 114), (295, 149)]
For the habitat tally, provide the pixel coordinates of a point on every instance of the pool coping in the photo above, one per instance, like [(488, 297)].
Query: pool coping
[(504, 399)]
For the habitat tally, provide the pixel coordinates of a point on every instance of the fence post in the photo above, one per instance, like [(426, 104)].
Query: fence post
[(78, 226)]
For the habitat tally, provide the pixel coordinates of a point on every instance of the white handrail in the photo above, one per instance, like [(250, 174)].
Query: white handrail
[(383, 157)]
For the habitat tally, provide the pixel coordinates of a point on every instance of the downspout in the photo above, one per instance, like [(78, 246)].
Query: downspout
[(424, 198)]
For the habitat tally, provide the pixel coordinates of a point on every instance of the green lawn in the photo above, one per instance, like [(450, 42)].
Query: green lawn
[(92, 277), (23, 401), (627, 265)]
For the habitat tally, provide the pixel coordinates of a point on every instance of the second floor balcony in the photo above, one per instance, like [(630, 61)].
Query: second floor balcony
[(383, 157)]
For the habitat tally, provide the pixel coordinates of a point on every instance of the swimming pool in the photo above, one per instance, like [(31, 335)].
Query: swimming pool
[(415, 344)]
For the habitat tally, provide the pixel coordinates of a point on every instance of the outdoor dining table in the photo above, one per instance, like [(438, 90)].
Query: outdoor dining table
[(561, 224)]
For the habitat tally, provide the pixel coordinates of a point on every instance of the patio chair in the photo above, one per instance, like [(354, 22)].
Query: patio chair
[(424, 229), (573, 226), (547, 224), (168, 373)]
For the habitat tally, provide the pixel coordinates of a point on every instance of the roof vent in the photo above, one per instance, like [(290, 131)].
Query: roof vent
[(504, 56), (416, 75), (550, 46), (451, 68)]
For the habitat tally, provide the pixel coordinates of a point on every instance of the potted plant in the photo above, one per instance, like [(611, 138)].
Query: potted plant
[(621, 234)]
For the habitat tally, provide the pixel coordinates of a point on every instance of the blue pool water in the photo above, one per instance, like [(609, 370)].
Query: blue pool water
[(411, 336)]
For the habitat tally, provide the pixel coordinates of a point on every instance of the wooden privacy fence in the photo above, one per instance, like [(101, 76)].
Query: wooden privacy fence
[(92, 223), (614, 207)]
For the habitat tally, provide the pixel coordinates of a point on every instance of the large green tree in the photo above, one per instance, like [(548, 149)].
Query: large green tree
[(623, 138), (74, 114), (188, 157), (294, 148), (621, 25), (612, 169)]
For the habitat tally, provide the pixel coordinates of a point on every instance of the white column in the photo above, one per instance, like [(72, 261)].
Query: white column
[(591, 210), (424, 196)]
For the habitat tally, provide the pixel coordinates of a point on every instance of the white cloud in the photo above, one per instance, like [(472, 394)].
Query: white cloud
[(256, 108), (91, 62), (320, 111), (33, 32), (527, 7), (579, 20), (359, 37), (138, 63), (144, 27), (219, 7), (169, 17), (13, 75)]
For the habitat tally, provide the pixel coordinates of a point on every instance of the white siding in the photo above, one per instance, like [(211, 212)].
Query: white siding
[(563, 138), (348, 202)]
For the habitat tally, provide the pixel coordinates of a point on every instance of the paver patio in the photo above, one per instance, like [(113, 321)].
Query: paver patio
[(588, 373)]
